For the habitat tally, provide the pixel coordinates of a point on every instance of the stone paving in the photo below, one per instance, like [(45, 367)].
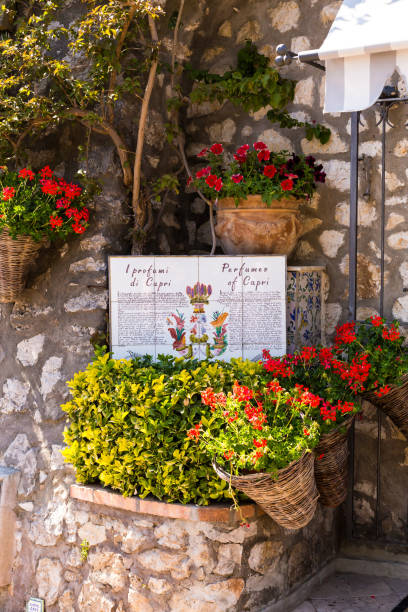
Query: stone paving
[(356, 593)]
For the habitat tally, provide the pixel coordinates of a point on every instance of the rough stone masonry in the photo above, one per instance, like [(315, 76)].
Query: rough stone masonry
[(137, 564)]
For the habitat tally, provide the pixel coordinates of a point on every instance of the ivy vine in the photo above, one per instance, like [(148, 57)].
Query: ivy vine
[(251, 86)]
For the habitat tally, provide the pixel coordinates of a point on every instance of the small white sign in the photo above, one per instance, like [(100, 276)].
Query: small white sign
[(198, 307), (35, 605)]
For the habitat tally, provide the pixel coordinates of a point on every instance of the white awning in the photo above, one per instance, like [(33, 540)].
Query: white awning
[(367, 42)]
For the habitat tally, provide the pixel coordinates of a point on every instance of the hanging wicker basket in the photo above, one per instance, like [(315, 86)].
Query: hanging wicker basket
[(290, 499), (16, 257), (331, 466), (394, 404)]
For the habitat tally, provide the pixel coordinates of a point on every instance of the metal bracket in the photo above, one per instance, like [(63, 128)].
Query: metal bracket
[(284, 57)]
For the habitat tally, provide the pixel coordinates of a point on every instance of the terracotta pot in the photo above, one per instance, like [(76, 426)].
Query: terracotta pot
[(254, 228)]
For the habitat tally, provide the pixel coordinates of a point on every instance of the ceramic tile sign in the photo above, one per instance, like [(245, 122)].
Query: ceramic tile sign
[(198, 307)]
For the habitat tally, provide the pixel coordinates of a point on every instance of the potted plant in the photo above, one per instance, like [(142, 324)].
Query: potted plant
[(326, 385), (34, 207), (261, 443), (382, 347), (258, 194)]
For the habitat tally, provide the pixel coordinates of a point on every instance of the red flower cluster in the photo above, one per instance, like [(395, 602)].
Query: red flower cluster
[(56, 222), (391, 334), (277, 367), (255, 415), (326, 357), (356, 373), (194, 433), (308, 353), (383, 391), (274, 387), (8, 193), (260, 443), (241, 393), (27, 174), (209, 398), (345, 334)]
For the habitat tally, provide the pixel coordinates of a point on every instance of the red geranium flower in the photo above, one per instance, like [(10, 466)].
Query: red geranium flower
[(287, 184), (49, 187), (84, 214), (8, 193), (211, 180), (270, 171), (264, 155), (204, 172), (218, 185), (208, 397), (194, 433), (203, 153), (26, 173), (189, 181), (217, 149), (243, 149), (260, 443), (376, 321), (78, 228), (391, 334), (259, 146), (237, 178), (46, 172), (241, 159), (55, 222), (62, 203), (72, 191)]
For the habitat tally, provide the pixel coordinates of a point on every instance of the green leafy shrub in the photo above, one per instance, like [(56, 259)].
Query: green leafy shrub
[(129, 422)]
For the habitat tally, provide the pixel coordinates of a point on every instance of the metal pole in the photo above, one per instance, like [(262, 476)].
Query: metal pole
[(384, 111), (383, 154), (355, 121)]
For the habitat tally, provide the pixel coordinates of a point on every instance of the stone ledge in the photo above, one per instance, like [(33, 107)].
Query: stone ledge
[(218, 513)]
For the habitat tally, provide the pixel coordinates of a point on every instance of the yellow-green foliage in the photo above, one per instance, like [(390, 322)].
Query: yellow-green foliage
[(129, 419)]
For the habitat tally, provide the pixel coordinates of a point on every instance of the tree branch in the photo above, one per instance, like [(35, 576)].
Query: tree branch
[(136, 205), (118, 51), (106, 128), (175, 43)]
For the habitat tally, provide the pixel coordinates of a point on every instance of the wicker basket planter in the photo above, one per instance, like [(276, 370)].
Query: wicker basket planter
[(394, 404), (290, 499), (331, 466), (16, 257)]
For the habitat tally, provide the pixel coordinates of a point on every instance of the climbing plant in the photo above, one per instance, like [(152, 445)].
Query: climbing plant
[(251, 86)]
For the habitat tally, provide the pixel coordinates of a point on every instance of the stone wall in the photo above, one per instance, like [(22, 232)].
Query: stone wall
[(145, 563), (44, 337)]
